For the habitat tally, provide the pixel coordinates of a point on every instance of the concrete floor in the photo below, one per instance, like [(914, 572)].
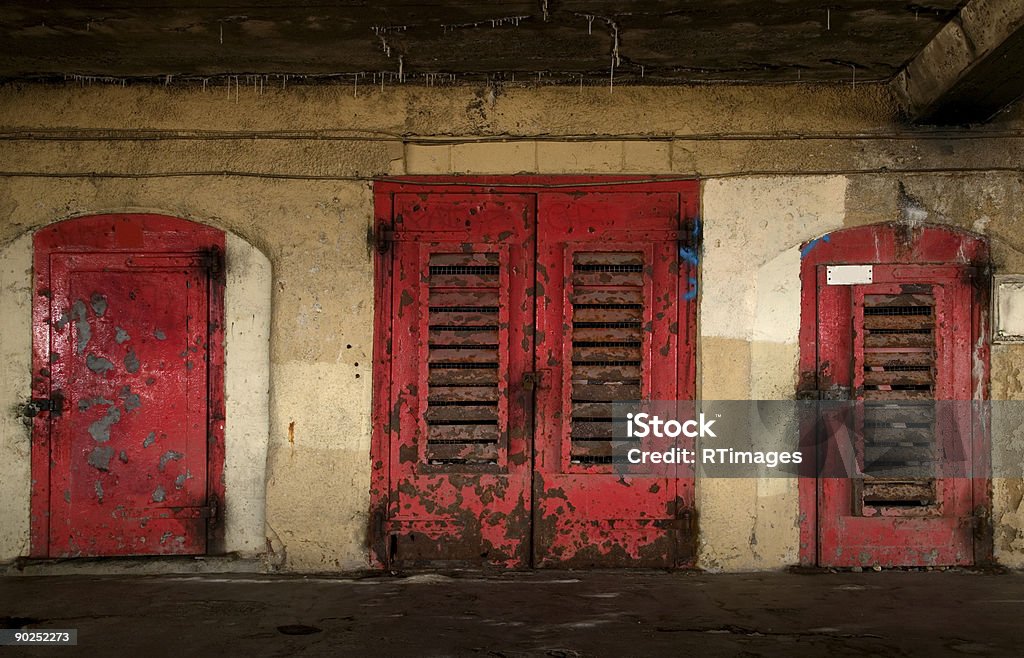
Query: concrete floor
[(549, 613)]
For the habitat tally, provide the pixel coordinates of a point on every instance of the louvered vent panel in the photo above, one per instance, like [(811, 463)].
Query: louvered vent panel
[(899, 386), (464, 339), (607, 339)]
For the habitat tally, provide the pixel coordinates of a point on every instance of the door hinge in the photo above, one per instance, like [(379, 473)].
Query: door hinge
[(672, 524), (681, 523), (383, 237), (210, 511), (54, 405), (214, 261), (981, 523)]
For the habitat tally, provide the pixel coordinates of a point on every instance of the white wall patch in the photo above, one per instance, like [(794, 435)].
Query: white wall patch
[(1008, 298)]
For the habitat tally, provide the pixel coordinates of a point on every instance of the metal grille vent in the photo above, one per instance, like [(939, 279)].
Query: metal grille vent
[(482, 270), (463, 345), (607, 357), (609, 267), (899, 416)]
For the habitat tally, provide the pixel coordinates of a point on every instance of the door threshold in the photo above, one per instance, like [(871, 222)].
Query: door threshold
[(141, 565)]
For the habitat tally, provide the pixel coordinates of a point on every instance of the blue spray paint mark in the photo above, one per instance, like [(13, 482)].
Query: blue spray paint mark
[(692, 292), (689, 255), (812, 244), (692, 254)]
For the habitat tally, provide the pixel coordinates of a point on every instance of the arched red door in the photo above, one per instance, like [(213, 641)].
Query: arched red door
[(893, 321), (127, 385)]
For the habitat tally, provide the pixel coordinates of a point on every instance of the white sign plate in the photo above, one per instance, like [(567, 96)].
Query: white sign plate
[(849, 275)]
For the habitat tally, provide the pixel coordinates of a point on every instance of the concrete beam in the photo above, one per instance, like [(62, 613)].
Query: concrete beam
[(971, 69)]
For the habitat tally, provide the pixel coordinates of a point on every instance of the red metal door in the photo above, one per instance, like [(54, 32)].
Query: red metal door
[(496, 355), (903, 348), (127, 354), (462, 340), (611, 329)]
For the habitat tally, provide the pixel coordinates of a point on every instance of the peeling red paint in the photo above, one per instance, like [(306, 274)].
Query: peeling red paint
[(123, 292), (466, 477), (908, 335)]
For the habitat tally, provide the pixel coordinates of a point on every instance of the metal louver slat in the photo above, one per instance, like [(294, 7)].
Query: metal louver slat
[(898, 415), (463, 356), (607, 357)]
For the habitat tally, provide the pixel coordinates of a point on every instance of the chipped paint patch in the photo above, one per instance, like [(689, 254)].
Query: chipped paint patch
[(98, 303), (149, 440), (159, 495), (168, 456), (98, 364), (80, 315), (131, 400), (100, 429), (121, 336), (159, 335), (100, 457), (85, 405), (131, 362)]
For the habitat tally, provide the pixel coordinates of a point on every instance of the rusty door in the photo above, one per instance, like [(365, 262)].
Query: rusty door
[(611, 328), (128, 371), (462, 340), (510, 319), (899, 485)]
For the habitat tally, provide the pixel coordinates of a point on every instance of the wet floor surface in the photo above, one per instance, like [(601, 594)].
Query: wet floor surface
[(614, 613)]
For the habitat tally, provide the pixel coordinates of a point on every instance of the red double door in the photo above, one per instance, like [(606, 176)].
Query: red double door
[(512, 321)]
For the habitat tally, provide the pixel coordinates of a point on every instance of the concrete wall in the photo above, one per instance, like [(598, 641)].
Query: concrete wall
[(289, 172), (15, 369), (749, 350)]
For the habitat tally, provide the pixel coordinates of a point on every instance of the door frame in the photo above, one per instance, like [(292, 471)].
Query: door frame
[(127, 233), (383, 191), (895, 243)]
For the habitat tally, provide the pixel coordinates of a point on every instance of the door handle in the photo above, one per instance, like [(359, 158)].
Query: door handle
[(530, 383)]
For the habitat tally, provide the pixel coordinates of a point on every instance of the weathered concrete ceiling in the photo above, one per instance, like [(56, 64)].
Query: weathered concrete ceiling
[(550, 40), (972, 69)]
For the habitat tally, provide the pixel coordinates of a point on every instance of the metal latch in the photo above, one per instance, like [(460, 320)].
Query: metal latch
[(54, 405), (530, 380), (981, 523)]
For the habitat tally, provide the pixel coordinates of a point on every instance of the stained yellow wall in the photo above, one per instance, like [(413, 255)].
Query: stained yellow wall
[(289, 172)]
